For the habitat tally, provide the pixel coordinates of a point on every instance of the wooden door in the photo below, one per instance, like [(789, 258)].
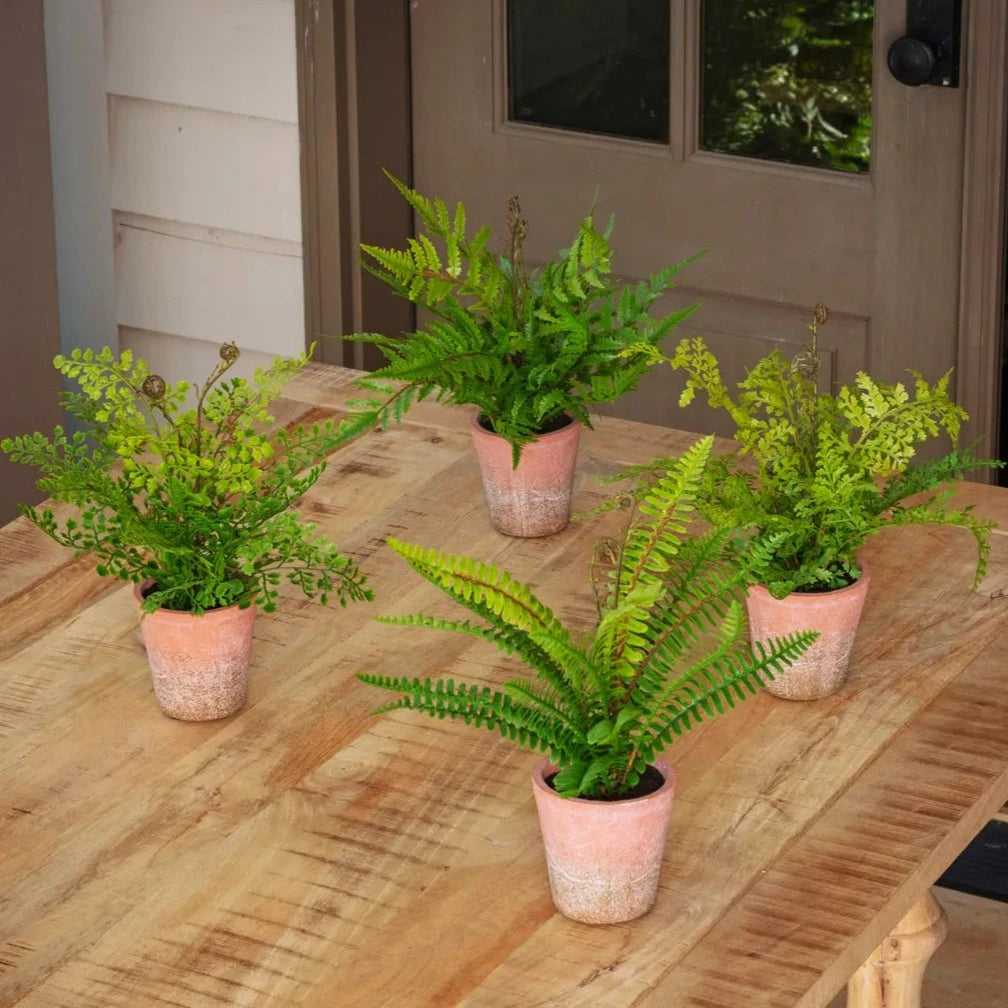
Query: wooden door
[(881, 246)]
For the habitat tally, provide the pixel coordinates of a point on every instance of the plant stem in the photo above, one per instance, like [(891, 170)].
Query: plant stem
[(215, 376)]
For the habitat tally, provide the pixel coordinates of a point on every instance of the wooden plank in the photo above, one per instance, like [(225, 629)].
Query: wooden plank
[(209, 292), (104, 629), (206, 167), (738, 804), (990, 505), (232, 55), (300, 857), (889, 835), (303, 848)]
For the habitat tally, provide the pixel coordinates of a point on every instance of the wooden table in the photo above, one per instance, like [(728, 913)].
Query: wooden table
[(305, 853)]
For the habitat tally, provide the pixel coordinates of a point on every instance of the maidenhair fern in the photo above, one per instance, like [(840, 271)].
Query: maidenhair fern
[(197, 501), (523, 347), (830, 469), (667, 651)]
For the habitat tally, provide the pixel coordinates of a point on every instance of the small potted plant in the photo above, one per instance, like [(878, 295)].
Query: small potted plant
[(194, 506), (667, 652), (828, 470), (531, 351)]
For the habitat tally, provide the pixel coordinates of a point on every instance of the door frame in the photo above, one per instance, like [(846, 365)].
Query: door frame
[(345, 90), (354, 120), (982, 279)]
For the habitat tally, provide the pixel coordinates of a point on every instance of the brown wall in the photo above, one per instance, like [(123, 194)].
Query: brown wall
[(29, 324)]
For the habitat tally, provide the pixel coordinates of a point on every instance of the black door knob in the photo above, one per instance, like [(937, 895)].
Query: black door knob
[(911, 61)]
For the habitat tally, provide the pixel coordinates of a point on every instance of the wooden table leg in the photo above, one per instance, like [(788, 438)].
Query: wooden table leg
[(892, 975)]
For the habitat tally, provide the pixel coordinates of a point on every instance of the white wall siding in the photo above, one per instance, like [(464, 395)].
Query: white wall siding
[(207, 167), (78, 133), (207, 291), (205, 175), (176, 358), (231, 55)]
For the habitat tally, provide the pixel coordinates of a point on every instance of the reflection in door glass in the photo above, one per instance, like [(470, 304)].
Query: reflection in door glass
[(598, 67), (789, 80)]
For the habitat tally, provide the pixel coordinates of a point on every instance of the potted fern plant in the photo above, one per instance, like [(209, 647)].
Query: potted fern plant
[(828, 470), (530, 350), (194, 506), (667, 652)]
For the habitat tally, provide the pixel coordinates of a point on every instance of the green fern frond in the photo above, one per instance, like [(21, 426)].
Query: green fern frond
[(830, 469), (933, 513), (651, 545), (467, 580), (666, 652), (706, 695), (525, 348), (197, 500)]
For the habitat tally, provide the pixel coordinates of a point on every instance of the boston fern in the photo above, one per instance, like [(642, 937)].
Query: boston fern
[(196, 501), (523, 347), (666, 653), (831, 468)]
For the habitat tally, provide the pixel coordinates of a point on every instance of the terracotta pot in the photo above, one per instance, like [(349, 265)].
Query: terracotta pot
[(603, 858), (199, 664), (534, 499), (835, 614)]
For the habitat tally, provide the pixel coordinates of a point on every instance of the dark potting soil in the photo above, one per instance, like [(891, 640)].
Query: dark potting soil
[(824, 591), (146, 590), (557, 423), (821, 591), (651, 780)]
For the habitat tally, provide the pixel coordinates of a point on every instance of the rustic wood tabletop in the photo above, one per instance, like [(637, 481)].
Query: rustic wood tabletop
[(306, 853)]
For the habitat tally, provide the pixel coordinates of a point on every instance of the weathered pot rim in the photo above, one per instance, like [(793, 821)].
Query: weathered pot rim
[(545, 767), (477, 427), (138, 594), (798, 596)]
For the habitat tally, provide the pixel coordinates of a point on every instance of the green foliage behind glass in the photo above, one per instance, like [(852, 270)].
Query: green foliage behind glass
[(523, 347), (831, 469), (197, 501), (789, 80), (667, 651)]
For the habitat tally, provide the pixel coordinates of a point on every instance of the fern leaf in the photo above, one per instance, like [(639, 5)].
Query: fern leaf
[(465, 580)]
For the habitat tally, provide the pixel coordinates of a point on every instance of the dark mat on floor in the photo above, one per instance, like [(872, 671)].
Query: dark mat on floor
[(982, 869)]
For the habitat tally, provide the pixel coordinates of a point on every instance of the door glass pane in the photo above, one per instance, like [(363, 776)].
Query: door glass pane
[(598, 67), (789, 80)]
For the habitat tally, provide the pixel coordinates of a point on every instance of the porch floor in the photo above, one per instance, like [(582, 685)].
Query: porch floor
[(971, 969)]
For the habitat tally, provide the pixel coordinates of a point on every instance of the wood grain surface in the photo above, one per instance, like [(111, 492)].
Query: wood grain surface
[(305, 853)]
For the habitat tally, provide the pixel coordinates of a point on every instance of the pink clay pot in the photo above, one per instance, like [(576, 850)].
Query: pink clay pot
[(534, 499), (199, 664), (603, 858), (835, 614)]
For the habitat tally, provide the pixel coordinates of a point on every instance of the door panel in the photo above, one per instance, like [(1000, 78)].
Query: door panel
[(881, 248), (739, 331)]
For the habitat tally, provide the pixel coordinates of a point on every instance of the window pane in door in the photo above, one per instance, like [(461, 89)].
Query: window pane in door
[(789, 80), (593, 66)]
